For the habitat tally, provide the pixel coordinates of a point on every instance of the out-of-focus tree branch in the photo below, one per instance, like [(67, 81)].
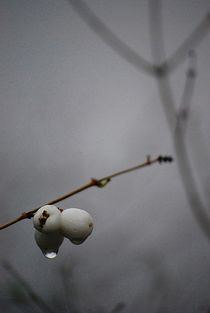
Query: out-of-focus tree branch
[(184, 162), (110, 38), (35, 298), (183, 113), (156, 37), (118, 308), (132, 56), (158, 54), (161, 70), (193, 40)]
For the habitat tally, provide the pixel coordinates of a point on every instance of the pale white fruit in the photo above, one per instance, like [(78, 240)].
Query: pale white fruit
[(76, 225), (48, 243), (47, 219)]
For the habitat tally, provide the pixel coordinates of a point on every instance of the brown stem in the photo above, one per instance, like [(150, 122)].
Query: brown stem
[(102, 182)]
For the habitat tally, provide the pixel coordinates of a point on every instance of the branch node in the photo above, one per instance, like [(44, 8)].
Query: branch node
[(25, 215), (100, 182), (161, 70), (191, 73), (148, 159)]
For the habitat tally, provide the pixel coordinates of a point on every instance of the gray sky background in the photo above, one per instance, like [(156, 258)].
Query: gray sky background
[(72, 109)]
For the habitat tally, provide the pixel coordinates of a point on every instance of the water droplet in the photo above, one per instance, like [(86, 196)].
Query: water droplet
[(50, 254)]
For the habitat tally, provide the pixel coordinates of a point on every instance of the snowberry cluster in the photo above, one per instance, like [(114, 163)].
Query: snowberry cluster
[(52, 225)]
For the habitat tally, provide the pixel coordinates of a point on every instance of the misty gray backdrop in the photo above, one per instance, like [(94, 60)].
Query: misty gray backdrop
[(71, 109)]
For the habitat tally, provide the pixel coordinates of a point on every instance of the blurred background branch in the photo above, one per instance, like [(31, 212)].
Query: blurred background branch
[(183, 113), (23, 284), (110, 38), (167, 99), (160, 70), (103, 280), (193, 40)]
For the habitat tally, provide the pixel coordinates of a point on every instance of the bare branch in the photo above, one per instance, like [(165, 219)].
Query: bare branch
[(190, 43), (100, 183), (196, 204), (40, 303), (184, 109), (110, 38), (156, 31), (185, 168), (186, 172), (157, 51)]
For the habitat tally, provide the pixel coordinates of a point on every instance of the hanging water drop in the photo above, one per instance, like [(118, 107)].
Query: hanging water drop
[(50, 254), (48, 243)]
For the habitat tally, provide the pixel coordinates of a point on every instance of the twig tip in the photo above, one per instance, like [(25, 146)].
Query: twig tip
[(164, 159)]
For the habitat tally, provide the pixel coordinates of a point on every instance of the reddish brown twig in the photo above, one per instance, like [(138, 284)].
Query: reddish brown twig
[(100, 183)]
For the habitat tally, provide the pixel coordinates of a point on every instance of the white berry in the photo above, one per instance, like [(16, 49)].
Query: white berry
[(48, 243), (76, 225), (47, 219)]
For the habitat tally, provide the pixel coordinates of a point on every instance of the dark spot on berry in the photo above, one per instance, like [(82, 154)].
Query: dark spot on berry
[(43, 218)]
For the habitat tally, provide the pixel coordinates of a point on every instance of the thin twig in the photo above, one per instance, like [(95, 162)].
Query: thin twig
[(190, 43), (110, 38), (185, 167), (196, 204), (186, 101), (156, 31), (158, 54), (102, 182), (69, 286), (27, 287)]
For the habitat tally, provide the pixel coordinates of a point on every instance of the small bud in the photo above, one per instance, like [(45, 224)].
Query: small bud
[(47, 219), (48, 243), (76, 225)]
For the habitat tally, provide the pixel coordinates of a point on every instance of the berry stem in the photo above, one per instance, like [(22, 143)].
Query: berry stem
[(100, 183)]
